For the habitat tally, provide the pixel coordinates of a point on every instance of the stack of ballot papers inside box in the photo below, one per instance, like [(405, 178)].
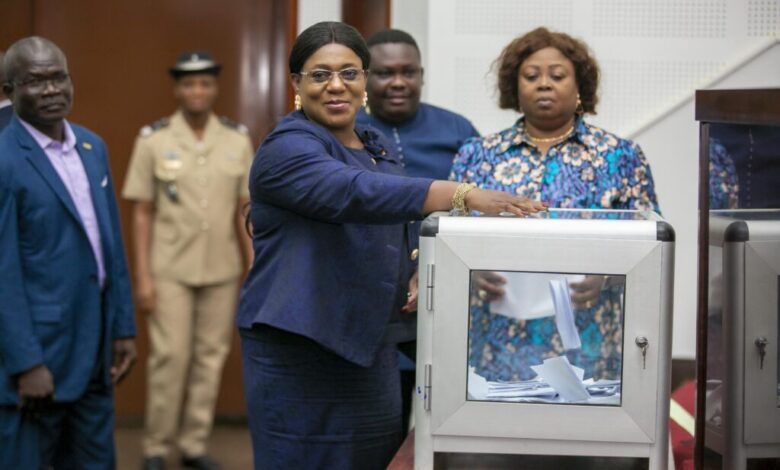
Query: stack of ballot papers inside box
[(557, 382)]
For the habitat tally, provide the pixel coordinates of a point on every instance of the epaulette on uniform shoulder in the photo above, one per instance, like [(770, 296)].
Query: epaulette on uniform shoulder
[(227, 122), (155, 126)]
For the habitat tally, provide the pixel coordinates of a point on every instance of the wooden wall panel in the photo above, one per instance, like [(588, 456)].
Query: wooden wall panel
[(119, 54), (368, 16), (15, 21)]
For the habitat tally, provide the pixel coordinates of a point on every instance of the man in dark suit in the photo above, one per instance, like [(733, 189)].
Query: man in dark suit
[(66, 316), (6, 110)]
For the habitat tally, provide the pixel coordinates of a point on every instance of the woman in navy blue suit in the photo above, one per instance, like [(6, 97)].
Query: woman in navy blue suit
[(331, 275)]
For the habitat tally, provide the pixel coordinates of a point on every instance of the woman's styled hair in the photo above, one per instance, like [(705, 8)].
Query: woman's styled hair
[(322, 34), (586, 70)]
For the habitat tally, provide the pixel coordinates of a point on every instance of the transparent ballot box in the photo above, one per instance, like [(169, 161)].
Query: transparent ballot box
[(546, 335), (742, 418)]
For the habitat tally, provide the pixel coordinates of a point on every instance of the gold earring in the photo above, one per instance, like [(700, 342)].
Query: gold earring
[(579, 109), (365, 103), (298, 102)]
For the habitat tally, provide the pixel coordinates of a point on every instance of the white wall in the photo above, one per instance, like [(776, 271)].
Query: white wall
[(314, 11), (412, 17)]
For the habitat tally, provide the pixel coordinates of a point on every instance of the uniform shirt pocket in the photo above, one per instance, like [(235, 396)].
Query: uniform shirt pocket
[(168, 167), (165, 232), (231, 165)]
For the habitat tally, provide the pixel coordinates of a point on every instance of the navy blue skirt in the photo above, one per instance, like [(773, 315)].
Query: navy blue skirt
[(311, 409)]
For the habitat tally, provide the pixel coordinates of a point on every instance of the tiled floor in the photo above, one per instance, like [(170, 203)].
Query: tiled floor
[(230, 446)]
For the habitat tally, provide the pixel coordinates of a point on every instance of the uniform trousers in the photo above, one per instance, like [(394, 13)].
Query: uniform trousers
[(311, 409), (190, 333), (76, 435)]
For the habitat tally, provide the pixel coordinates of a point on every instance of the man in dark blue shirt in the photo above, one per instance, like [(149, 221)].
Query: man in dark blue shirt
[(427, 137)]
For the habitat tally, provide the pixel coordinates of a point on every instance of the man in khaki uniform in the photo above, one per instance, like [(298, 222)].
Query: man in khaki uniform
[(188, 181)]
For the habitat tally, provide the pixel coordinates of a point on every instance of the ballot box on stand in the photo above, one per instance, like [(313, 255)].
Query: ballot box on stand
[(743, 373), (546, 335)]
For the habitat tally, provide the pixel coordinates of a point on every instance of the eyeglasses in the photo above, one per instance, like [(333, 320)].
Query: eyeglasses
[(38, 84), (322, 76)]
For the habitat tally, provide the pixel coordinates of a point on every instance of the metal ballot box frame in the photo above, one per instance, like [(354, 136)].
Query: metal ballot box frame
[(743, 405), (637, 247)]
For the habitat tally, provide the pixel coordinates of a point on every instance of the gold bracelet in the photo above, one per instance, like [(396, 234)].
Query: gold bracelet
[(459, 198)]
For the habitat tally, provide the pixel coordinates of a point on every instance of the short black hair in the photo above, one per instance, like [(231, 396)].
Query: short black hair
[(321, 34), (392, 36)]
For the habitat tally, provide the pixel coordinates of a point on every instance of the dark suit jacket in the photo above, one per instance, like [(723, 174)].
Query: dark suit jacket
[(329, 228), (5, 116), (52, 308)]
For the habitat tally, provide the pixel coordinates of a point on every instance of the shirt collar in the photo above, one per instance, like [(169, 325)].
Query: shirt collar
[(178, 124), (4, 103), (516, 135), (44, 141)]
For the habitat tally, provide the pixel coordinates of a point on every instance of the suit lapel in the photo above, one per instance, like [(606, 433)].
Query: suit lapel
[(37, 157), (98, 185)]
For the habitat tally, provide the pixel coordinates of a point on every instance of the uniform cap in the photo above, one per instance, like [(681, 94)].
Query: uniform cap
[(195, 62)]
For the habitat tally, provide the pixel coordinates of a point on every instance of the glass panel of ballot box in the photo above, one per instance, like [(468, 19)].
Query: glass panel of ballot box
[(546, 335)]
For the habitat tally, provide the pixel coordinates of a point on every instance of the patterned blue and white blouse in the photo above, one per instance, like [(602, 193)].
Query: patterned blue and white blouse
[(592, 168)]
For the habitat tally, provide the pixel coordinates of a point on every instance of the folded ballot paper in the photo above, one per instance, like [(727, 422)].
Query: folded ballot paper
[(529, 296), (564, 314), (557, 382), (526, 296), (564, 378)]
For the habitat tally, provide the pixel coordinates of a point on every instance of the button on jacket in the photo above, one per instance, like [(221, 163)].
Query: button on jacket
[(328, 235)]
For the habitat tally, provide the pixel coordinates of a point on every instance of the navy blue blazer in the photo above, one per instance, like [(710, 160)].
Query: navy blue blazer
[(328, 230), (5, 116), (52, 309)]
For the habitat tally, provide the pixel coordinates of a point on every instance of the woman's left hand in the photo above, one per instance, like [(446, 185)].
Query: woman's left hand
[(492, 202), (411, 296)]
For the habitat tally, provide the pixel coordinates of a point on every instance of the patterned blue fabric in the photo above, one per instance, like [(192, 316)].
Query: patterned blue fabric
[(724, 187), (592, 168)]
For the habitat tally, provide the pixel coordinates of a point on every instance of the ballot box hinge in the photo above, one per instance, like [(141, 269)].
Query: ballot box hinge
[(429, 285), (427, 388)]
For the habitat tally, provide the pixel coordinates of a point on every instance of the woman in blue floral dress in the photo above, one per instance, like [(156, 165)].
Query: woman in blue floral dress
[(553, 155)]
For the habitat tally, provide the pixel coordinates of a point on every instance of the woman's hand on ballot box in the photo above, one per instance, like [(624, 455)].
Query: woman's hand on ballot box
[(493, 202)]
